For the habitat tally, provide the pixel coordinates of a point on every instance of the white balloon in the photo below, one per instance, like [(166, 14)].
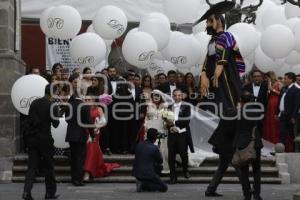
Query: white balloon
[(180, 11), (249, 62), (138, 48), (204, 39), (64, 22), (263, 62), (25, 90), (102, 65), (297, 36), (59, 134), (185, 51), (277, 41), (44, 21), (201, 27), (166, 50), (273, 15), (91, 29), (158, 56), (295, 69), (260, 12), (183, 70), (293, 58), (246, 36), (291, 23), (280, 71), (88, 49), (159, 66), (155, 15), (159, 31), (291, 10), (110, 22)]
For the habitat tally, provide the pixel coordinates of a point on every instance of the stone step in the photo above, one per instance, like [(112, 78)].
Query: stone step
[(128, 160), (130, 179), (126, 171)]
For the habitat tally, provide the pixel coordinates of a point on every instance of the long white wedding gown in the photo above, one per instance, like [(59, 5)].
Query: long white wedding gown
[(154, 120)]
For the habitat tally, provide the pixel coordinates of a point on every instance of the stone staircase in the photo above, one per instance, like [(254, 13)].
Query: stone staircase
[(202, 174)]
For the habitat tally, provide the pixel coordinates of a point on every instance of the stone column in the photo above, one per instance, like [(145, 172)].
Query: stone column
[(11, 68)]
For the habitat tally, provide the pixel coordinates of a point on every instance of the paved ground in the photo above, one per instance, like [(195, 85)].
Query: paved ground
[(13, 191)]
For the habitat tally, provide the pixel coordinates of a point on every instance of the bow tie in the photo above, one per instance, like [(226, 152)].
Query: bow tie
[(256, 85), (172, 84)]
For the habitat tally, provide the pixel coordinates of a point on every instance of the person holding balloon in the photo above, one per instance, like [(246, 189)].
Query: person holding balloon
[(40, 144)]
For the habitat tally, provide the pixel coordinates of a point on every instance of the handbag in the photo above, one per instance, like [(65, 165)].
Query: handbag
[(242, 157)]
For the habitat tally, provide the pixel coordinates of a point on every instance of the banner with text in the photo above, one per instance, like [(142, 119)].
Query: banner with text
[(58, 50)]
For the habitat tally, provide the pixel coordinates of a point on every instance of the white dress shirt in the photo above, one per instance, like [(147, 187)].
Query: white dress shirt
[(132, 90), (176, 109), (172, 88), (255, 90), (114, 86)]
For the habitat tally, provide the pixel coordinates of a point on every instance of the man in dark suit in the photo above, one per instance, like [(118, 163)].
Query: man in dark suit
[(171, 85), (136, 93), (259, 89), (243, 136), (76, 136), (179, 137), (288, 107), (40, 144), (148, 165)]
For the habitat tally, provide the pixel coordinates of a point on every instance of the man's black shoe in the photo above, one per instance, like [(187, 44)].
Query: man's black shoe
[(212, 194), (187, 175), (78, 183), (138, 186), (257, 198), (173, 180), (51, 196), (248, 197), (27, 196), (108, 152)]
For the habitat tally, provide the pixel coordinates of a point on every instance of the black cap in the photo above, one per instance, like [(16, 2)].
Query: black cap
[(218, 8)]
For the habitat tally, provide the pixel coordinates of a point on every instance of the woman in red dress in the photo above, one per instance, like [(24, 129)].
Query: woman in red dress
[(94, 165), (271, 125)]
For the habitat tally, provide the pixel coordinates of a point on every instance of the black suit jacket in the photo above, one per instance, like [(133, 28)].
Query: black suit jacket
[(262, 94), (165, 88), (147, 158), (184, 121), (75, 132), (109, 85), (291, 102), (40, 113)]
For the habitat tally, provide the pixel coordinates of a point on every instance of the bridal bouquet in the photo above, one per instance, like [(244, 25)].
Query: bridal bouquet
[(168, 117)]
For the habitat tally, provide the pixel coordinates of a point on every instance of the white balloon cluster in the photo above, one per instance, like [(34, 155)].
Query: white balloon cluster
[(279, 41), (142, 43), (87, 49)]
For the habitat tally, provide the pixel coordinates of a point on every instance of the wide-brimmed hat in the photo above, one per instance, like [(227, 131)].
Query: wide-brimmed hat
[(218, 8)]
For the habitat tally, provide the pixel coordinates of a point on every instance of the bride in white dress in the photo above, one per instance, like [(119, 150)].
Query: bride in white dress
[(154, 120)]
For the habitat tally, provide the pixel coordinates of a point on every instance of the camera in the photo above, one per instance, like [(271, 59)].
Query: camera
[(162, 135)]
